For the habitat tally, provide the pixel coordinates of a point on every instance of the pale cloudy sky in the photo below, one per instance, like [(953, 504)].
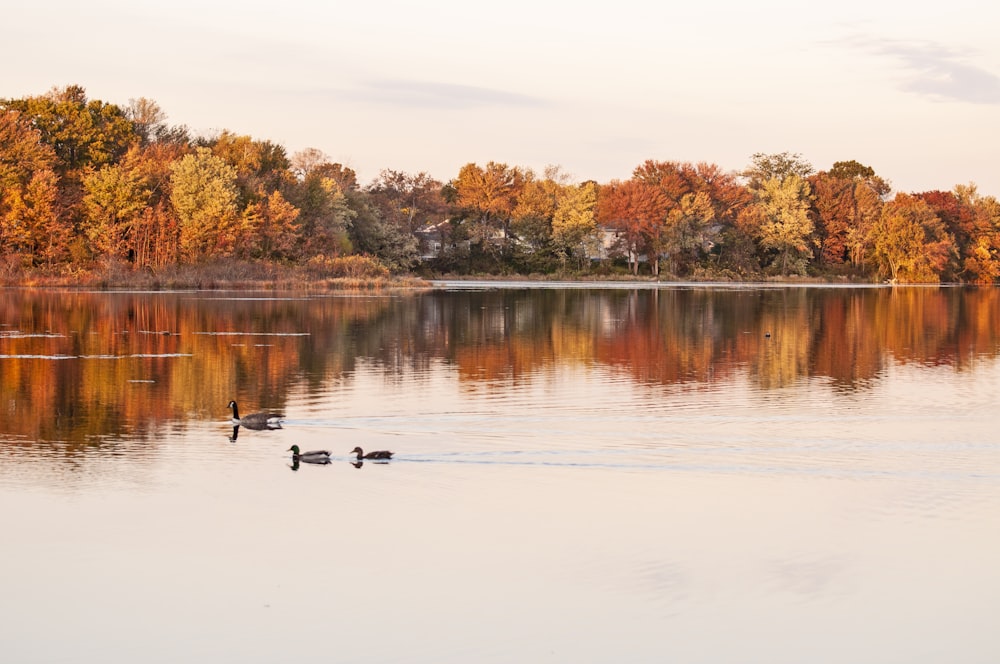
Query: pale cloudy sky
[(911, 89)]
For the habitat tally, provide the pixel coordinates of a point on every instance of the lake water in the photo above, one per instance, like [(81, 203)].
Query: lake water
[(601, 474)]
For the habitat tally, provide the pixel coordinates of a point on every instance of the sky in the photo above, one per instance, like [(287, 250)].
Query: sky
[(911, 89)]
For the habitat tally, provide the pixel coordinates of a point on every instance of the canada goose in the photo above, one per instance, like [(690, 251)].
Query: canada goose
[(381, 454), (315, 456), (256, 420)]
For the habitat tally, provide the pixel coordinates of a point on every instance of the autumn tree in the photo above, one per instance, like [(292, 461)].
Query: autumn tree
[(306, 161), (269, 229), (860, 238), (325, 213), (114, 199), (727, 194), (532, 217), (148, 119), (344, 176), (780, 214), (674, 181), (267, 225), (157, 236), (700, 200), (858, 172), (314, 162), (150, 123), (574, 222), (82, 132), (371, 234), (724, 237), (764, 167), (407, 201), (487, 198), (30, 225), (204, 195), (959, 221), (910, 242), (262, 167), (634, 207), (33, 228), (268, 222), (785, 226), (834, 211), (22, 150), (689, 223), (846, 201), (157, 230), (981, 262)]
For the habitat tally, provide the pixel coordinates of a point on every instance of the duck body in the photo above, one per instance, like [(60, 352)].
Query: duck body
[(379, 454), (258, 421), (314, 456)]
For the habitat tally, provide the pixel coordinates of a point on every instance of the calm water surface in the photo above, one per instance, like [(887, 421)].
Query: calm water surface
[(615, 474)]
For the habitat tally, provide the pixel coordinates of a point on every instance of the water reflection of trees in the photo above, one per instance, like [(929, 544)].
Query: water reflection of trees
[(89, 366), (698, 335), (181, 357)]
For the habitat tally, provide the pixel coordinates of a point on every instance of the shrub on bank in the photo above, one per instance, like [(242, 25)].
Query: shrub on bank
[(349, 267)]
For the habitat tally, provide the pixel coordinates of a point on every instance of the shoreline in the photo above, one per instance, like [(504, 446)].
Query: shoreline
[(298, 280)]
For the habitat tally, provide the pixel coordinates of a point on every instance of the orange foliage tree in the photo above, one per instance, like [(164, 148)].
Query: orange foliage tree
[(488, 197), (911, 242), (30, 225), (637, 210)]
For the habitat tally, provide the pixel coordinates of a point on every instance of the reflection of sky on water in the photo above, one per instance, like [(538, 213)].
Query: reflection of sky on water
[(583, 564)]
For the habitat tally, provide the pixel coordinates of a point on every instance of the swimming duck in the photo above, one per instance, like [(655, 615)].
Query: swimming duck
[(256, 420), (380, 454), (315, 456)]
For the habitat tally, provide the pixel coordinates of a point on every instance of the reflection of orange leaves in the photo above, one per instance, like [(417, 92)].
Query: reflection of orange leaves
[(781, 336), (979, 325), (512, 361), (842, 345), (112, 379), (483, 363), (662, 338)]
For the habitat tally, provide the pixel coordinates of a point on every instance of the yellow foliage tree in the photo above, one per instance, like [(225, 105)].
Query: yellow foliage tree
[(574, 223), (785, 223), (114, 199), (204, 196)]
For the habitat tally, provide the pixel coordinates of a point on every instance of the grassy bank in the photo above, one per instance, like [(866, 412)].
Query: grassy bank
[(320, 274), (217, 275)]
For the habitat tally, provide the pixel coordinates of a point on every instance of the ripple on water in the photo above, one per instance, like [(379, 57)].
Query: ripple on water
[(95, 357), (250, 333)]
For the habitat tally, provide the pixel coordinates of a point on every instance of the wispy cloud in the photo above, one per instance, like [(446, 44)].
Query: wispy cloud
[(935, 71), (444, 96)]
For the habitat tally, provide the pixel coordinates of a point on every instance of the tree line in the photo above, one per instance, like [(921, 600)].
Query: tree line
[(85, 183)]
